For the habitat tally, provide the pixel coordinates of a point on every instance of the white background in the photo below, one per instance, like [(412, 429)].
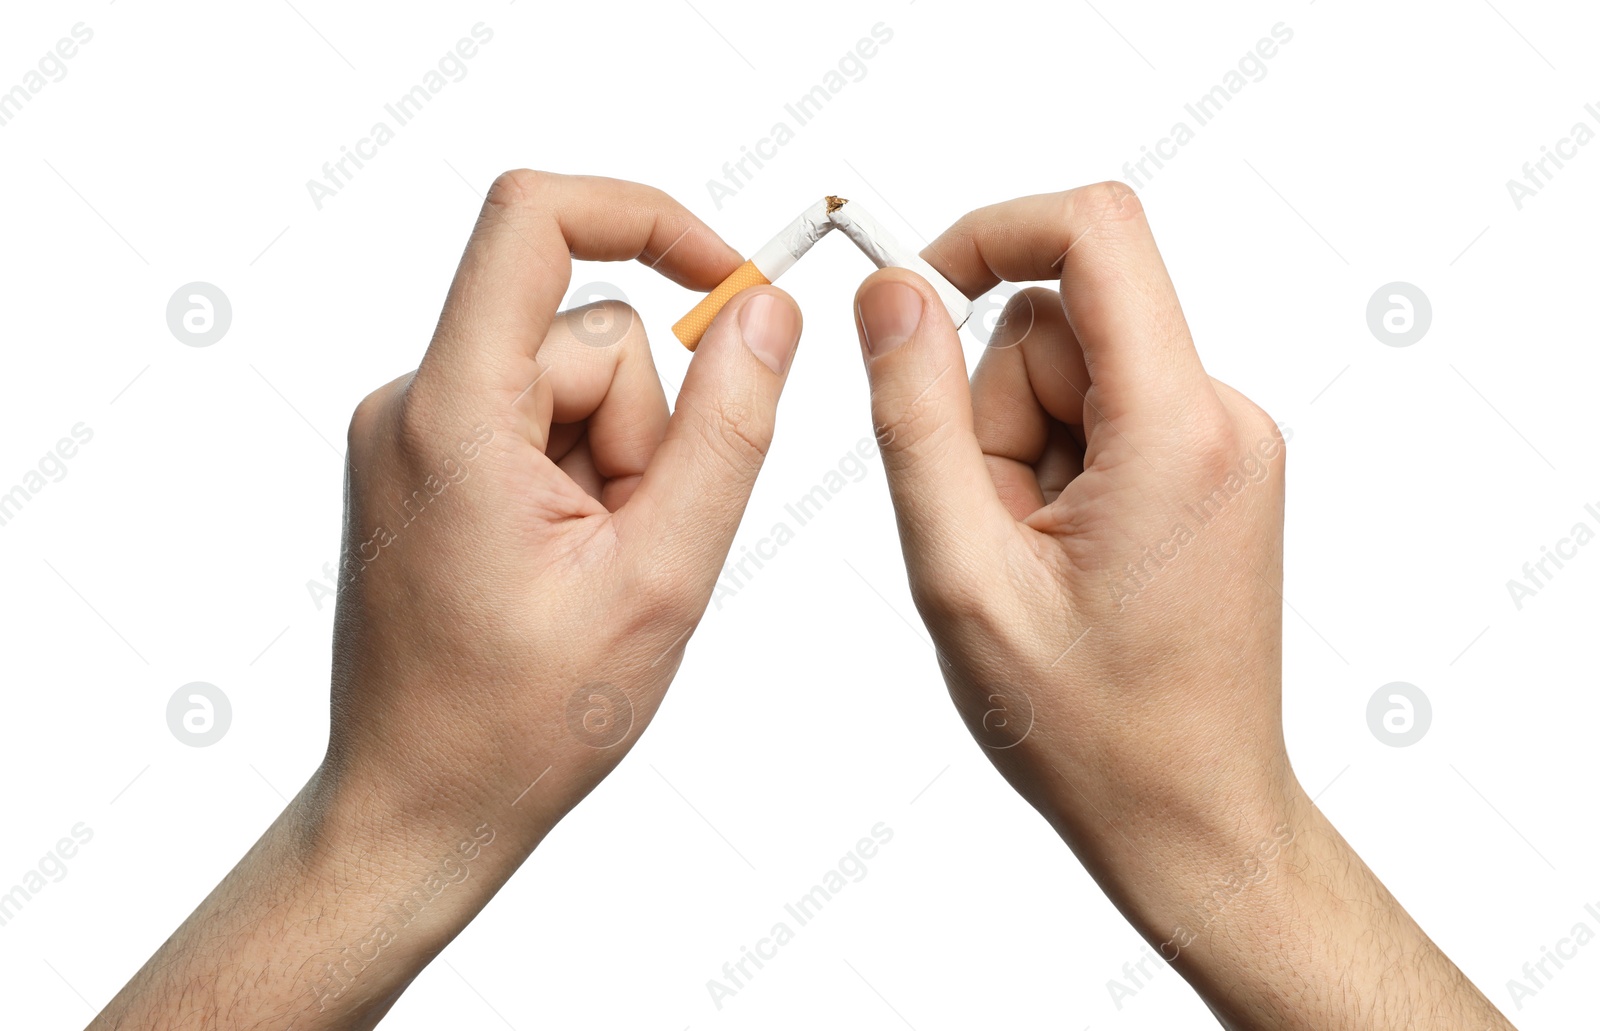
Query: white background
[(179, 545)]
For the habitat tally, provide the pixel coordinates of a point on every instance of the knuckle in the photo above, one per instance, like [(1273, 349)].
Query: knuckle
[(1031, 308), (738, 436), (1214, 443), (1017, 315), (1253, 427), (621, 310), (1255, 424), (605, 322), (1034, 298), (659, 595), (1108, 202), (375, 413), (949, 593), (1264, 438), (365, 419), (1239, 440), (1106, 215), (913, 431), (654, 196), (518, 188), (939, 602), (417, 423)]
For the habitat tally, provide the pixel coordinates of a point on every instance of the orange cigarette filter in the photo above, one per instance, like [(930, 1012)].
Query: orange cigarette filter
[(763, 268), (783, 250), (693, 326)]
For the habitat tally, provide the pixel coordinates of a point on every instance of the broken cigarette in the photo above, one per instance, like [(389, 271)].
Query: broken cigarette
[(782, 251)]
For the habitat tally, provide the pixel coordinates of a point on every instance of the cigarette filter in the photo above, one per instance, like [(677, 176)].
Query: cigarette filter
[(782, 251), (770, 262)]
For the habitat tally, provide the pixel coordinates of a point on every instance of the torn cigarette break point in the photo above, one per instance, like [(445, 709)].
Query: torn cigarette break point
[(780, 253)]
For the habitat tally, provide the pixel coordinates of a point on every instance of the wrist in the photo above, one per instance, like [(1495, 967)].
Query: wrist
[(354, 821), (401, 874), (341, 900), (1183, 874), (1209, 889)]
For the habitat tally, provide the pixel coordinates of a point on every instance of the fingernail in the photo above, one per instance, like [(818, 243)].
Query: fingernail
[(888, 312), (771, 329)]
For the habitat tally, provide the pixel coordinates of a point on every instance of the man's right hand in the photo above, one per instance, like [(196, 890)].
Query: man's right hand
[(1093, 531)]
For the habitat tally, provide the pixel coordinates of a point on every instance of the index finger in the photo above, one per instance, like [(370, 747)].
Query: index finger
[(518, 265), (1119, 299)]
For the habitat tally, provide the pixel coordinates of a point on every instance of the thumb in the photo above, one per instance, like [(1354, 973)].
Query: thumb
[(944, 500), (688, 504)]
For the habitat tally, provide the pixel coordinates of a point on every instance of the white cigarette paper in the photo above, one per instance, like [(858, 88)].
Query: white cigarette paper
[(878, 244), (780, 253)]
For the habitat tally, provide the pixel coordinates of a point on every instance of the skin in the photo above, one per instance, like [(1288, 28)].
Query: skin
[(1093, 531), (495, 657), (500, 646)]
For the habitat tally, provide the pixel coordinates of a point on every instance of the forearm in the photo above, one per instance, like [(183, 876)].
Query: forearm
[(1278, 924), (326, 919)]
